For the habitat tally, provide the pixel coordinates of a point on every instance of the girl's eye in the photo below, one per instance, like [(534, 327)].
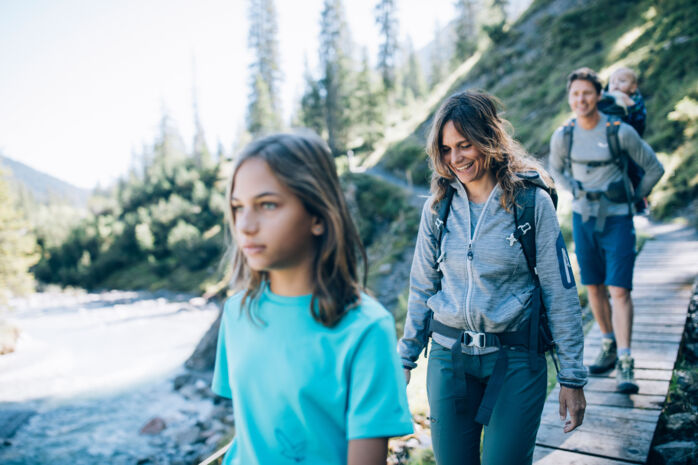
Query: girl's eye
[(235, 208), (268, 205)]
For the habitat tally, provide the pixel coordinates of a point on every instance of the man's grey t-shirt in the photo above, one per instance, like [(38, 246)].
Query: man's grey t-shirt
[(592, 145)]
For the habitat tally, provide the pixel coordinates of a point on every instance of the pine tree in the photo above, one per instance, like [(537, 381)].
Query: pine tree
[(311, 113), (369, 107), (386, 18), (336, 70), (413, 81), (264, 70), (496, 21), (201, 153), (465, 31), (17, 246), (437, 59)]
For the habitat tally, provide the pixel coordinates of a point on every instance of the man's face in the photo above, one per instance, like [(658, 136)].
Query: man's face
[(583, 98)]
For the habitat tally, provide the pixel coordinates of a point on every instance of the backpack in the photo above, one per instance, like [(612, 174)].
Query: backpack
[(632, 172), (524, 204)]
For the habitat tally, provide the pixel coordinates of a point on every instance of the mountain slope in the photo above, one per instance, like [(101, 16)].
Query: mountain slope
[(527, 69), (43, 187)]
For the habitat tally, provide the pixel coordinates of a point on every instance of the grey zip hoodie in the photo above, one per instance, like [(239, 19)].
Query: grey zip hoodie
[(491, 291)]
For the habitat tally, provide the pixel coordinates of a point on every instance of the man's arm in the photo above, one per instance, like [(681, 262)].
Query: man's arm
[(643, 155)]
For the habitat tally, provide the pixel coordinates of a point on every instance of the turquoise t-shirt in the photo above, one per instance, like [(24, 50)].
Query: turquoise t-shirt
[(300, 390)]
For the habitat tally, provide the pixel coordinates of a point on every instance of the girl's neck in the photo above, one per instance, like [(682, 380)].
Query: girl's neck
[(480, 189), (292, 282)]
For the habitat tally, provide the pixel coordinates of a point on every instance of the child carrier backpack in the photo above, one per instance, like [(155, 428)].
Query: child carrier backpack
[(632, 172)]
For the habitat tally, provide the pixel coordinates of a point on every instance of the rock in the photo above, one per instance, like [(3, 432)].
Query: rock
[(9, 334), (188, 437), (681, 422), (182, 380), (204, 356), (154, 426), (198, 302), (676, 453)]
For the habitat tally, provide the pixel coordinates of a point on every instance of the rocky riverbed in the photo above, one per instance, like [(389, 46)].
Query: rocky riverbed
[(99, 378)]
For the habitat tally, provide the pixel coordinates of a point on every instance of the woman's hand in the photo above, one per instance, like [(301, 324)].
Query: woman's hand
[(408, 375), (572, 400), (370, 451)]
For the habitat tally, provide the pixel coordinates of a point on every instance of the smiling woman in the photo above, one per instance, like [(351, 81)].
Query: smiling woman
[(479, 293)]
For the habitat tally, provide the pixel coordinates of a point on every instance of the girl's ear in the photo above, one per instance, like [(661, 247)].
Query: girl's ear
[(318, 227)]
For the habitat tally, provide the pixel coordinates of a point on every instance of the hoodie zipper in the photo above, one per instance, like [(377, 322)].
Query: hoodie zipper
[(471, 256)]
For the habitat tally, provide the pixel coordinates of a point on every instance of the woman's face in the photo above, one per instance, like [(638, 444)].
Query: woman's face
[(461, 156)]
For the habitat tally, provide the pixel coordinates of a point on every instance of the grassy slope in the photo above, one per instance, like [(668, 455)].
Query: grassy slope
[(527, 71)]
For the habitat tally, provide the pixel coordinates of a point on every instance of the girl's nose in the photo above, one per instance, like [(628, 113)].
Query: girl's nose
[(246, 221)]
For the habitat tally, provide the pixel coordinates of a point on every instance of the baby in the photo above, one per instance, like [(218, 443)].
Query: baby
[(623, 86)]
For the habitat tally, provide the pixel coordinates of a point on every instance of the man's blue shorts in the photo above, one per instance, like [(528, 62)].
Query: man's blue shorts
[(605, 257)]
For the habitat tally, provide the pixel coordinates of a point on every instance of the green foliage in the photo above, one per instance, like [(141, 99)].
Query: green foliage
[(17, 246), (408, 160), (386, 19), (160, 224)]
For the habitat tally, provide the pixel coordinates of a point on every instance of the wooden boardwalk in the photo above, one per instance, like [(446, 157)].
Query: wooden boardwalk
[(617, 428)]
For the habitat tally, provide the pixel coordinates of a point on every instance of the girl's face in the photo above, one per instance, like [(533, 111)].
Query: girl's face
[(461, 156), (272, 226)]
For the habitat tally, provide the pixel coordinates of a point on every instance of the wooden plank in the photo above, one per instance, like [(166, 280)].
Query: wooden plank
[(648, 327), (647, 386), (666, 320), (548, 456), (607, 443), (640, 373), (641, 344), (616, 399), (646, 336), (552, 416)]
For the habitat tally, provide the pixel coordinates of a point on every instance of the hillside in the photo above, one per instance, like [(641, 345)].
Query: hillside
[(528, 65), (43, 187)]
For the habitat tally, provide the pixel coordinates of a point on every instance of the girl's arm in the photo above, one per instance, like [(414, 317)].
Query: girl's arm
[(370, 451)]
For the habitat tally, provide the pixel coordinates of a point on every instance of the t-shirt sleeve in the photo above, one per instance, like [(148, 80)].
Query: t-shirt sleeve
[(221, 382), (377, 403)]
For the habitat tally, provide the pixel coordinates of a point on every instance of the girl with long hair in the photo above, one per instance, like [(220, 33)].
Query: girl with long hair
[(307, 358), (473, 292)]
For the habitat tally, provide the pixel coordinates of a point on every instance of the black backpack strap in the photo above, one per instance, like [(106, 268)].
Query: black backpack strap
[(619, 156), (567, 137), (442, 210)]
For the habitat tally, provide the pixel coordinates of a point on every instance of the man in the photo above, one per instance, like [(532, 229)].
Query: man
[(602, 224)]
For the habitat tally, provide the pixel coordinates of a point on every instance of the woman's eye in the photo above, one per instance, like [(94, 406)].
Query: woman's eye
[(235, 208), (465, 146), (268, 205), (444, 150)]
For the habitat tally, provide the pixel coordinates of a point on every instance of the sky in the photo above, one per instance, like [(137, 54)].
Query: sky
[(84, 83)]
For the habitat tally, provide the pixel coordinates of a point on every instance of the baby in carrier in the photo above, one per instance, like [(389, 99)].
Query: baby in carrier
[(623, 99)]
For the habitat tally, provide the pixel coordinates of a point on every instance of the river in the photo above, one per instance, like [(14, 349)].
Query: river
[(91, 369)]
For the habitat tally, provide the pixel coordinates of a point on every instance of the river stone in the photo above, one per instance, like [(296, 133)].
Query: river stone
[(677, 453), (154, 426), (681, 421)]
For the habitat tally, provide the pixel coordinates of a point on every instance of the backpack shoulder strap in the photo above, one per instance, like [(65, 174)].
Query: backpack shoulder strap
[(567, 138), (442, 210), (612, 127), (525, 222)]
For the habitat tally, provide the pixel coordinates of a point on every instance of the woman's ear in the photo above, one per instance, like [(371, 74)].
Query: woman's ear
[(318, 227)]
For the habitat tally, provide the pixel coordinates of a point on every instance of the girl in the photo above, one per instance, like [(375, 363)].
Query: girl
[(476, 283), (308, 359)]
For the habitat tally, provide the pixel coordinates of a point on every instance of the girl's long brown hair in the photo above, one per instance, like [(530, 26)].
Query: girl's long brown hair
[(304, 164), (475, 116)]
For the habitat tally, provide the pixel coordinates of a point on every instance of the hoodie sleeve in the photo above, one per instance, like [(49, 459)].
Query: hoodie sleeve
[(424, 279), (559, 293)]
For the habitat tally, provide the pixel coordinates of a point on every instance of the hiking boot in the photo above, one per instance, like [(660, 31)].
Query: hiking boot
[(606, 359), (625, 378)]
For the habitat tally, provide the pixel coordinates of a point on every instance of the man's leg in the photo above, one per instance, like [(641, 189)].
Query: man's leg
[(622, 317), (618, 242), (592, 266), (601, 307)]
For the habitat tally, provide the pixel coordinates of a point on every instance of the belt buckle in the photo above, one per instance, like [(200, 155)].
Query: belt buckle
[(476, 339)]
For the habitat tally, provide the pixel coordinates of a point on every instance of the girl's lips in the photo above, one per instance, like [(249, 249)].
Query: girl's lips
[(251, 249)]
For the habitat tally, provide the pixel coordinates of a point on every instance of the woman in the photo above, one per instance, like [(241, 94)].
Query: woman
[(472, 292)]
